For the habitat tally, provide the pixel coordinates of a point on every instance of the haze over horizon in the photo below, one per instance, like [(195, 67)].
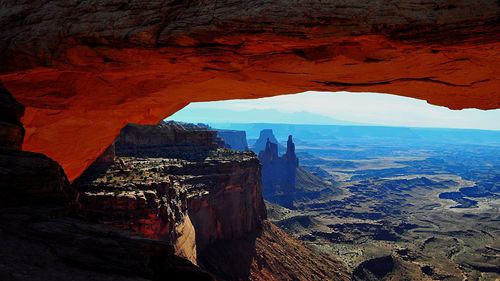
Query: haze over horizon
[(338, 108)]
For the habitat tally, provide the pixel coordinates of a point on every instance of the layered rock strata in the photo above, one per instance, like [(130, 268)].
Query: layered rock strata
[(174, 183), (233, 139), (271, 255), (284, 182), (134, 194), (168, 140), (85, 69), (42, 235), (219, 194), (26, 178)]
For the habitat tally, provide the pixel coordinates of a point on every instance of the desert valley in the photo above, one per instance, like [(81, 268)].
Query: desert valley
[(249, 140), (395, 203)]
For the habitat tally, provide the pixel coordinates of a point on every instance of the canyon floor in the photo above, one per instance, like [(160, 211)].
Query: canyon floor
[(402, 210)]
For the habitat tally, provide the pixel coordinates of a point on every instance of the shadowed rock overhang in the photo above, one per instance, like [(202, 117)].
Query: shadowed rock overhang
[(84, 69)]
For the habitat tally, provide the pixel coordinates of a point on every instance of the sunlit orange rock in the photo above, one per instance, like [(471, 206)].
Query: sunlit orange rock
[(85, 69)]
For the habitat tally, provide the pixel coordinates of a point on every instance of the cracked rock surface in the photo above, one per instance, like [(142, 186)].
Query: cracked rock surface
[(86, 68)]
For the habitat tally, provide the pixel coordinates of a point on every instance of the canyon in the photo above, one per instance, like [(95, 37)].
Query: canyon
[(163, 200), (43, 235), (84, 69), (177, 182), (402, 203), (176, 176)]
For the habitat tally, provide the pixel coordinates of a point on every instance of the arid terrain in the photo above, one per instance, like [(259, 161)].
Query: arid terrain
[(406, 209)]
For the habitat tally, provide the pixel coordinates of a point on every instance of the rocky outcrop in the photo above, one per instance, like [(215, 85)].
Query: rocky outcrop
[(40, 245), (284, 182), (29, 179), (41, 237), (211, 209), (279, 173), (167, 140), (227, 202), (134, 194), (234, 139), (261, 143), (26, 178), (84, 69), (270, 255), (174, 183)]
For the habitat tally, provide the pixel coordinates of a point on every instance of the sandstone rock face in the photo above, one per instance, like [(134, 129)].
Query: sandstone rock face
[(84, 69), (228, 202), (271, 255), (26, 178), (39, 240), (234, 139), (209, 209), (35, 245), (167, 140), (172, 182), (279, 173), (136, 195)]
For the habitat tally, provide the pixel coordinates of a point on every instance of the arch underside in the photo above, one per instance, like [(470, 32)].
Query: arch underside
[(83, 81)]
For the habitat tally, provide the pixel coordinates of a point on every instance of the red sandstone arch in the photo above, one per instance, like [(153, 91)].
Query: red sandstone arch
[(85, 70)]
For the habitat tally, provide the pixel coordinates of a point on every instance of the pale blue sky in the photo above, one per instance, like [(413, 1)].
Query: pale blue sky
[(338, 108)]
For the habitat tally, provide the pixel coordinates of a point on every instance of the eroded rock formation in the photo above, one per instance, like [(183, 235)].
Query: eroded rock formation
[(266, 136), (84, 69), (26, 178), (284, 182), (134, 194), (271, 255), (42, 235), (279, 173), (168, 139), (209, 206), (174, 183), (234, 139)]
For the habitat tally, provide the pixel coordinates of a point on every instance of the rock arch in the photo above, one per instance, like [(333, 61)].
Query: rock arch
[(84, 70)]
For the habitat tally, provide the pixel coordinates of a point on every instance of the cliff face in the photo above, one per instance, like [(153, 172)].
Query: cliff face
[(230, 201), (284, 182), (279, 173), (84, 69), (271, 255), (209, 208), (236, 140), (168, 140), (133, 194), (172, 182), (41, 237), (26, 178)]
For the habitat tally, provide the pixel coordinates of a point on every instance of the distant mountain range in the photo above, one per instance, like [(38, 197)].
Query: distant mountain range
[(196, 115), (356, 134)]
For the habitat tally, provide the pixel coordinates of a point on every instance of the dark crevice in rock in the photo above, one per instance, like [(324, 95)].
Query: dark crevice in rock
[(368, 84)]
